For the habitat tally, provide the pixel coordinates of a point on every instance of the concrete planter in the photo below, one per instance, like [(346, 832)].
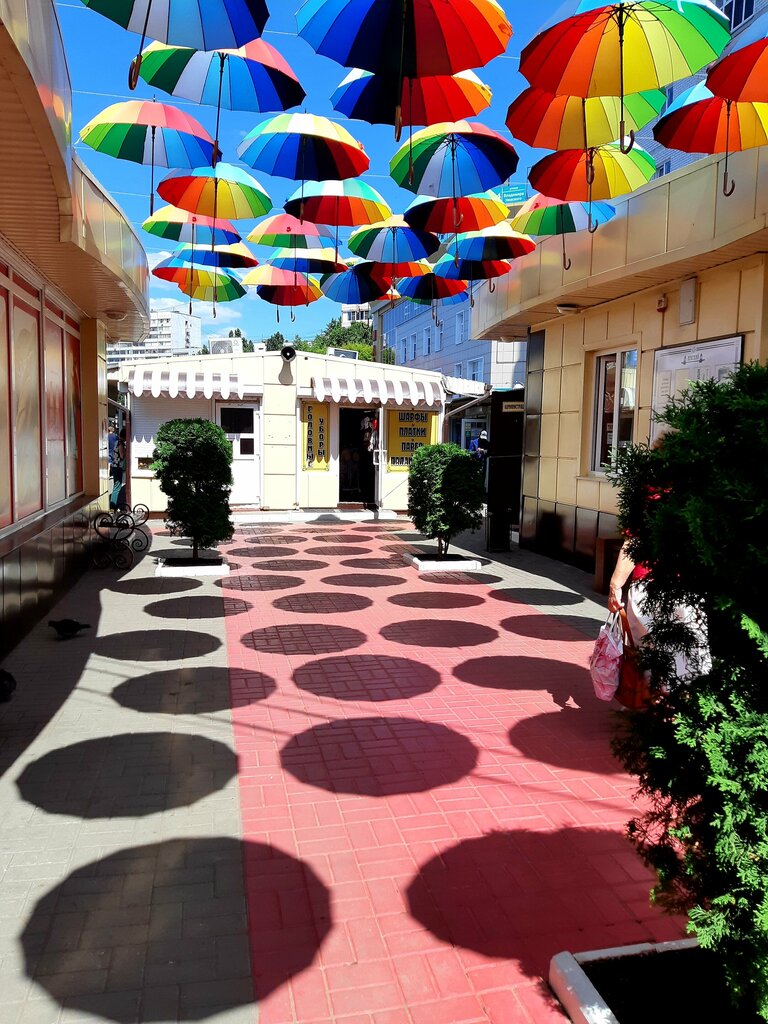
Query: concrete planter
[(184, 566), (451, 563)]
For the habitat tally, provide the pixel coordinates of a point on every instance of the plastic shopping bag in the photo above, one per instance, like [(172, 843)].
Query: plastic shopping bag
[(605, 662)]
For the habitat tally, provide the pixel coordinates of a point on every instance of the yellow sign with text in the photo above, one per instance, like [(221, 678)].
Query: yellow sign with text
[(315, 429), (407, 431)]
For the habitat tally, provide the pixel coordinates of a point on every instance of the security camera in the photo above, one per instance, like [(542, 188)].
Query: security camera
[(288, 352)]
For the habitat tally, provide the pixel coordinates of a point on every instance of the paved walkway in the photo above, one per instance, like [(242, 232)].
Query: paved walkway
[(324, 786)]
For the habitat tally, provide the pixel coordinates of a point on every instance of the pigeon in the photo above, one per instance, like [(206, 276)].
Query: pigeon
[(67, 628), (7, 685)]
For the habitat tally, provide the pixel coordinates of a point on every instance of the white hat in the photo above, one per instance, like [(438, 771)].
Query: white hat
[(484, 433)]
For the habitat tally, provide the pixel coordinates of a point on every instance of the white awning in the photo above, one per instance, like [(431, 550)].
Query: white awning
[(164, 380), (461, 386), (370, 390)]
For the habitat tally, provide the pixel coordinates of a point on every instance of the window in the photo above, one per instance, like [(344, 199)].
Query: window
[(403, 351), (457, 369), (738, 11), (25, 360), (459, 329), (475, 369), (614, 405), (439, 338), (413, 346), (662, 169), (427, 341)]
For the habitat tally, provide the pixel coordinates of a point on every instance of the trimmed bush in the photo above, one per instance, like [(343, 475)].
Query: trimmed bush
[(445, 492), (192, 461)]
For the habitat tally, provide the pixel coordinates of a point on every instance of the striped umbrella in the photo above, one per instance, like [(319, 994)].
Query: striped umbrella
[(363, 282), (208, 284), (233, 257), (541, 215), (283, 231), (586, 174), (303, 147), (149, 133), (471, 270), (474, 212), (283, 287), (392, 242), (742, 71), (348, 203), (183, 226), (253, 77), (501, 242), (309, 261), (429, 288)]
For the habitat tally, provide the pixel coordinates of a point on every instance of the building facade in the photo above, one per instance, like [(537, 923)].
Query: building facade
[(355, 314), (172, 333)]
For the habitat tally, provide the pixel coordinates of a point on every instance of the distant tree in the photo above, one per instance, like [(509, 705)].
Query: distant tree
[(445, 492), (247, 345), (237, 333), (358, 337), (388, 354), (275, 341), (205, 351)]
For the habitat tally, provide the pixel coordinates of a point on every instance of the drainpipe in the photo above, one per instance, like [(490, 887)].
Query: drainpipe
[(469, 405)]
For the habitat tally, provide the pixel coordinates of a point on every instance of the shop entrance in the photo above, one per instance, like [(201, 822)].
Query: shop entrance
[(358, 440)]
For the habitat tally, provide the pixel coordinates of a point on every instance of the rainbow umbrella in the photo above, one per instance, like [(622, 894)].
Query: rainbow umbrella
[(149, 133), (253, 77), (211, 286), (698, 122), (364, 282), (283, 287), (543, 216), (348, 203), (546, 121), (455, 158), (626, 47), (233, 257), (406, 39), (429, 288), (474, 212), (472, 270), (742, 72), (284, 231), (309, 261), (392, 242), (183, 226), (303, 146), (501, 242)]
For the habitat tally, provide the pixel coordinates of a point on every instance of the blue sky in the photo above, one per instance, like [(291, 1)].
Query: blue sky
[(99, 53)]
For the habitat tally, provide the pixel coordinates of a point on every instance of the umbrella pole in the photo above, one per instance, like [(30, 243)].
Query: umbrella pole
[(622, 22), (135, 68), (152, 177), (400, 79), (727, 189), (457, 219), (566, 261), (193, 263), (591, 228), (222, 62), (215, 212), (410, 131)]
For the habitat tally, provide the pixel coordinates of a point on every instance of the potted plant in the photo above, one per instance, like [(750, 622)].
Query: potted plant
[(192, 462)]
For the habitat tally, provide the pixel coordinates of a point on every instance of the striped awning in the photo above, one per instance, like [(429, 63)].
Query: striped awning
[(164, 380), (375, 390)]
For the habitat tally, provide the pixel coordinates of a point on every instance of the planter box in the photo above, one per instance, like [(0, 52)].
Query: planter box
[(451, 563), (184, 566)]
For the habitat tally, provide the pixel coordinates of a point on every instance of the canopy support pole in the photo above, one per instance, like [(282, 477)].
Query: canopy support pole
[(135, 68), (152, 176), (621, 23), (400, 78), (193, 263), (216, 151), (215, 212), (727, 189), (566, 260)]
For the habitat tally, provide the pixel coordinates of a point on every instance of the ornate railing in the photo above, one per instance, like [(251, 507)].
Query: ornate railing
[(121, 535)]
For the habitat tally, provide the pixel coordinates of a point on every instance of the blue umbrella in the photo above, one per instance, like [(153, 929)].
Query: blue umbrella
[(364, 282)]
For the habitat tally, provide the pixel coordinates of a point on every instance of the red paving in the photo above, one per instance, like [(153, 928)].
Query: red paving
[(427, 777)]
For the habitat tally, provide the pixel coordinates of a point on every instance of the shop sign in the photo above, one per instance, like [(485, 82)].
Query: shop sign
[(513, 406), (676, 367), (315, 423), (407, 431)]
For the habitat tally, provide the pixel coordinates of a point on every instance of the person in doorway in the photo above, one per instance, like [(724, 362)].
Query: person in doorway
[(478, 446), (117, 472)]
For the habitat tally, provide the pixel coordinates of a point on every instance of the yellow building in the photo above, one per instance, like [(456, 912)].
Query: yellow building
[(71, 267), (674, 288)]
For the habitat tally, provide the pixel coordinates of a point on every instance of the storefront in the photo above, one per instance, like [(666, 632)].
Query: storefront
[(315, 432)]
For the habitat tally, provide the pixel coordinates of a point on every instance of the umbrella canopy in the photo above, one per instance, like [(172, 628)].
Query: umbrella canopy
[(429, 287), (211, 286), (377, 98), (742, 72), (341, 203), (437, 215), (235, 257), (284, 231), (546, 121), (585, 175), (501, 242), (312, 261), (149, 133), (302, 147), (392, 242), (364, 282), (626, 47), (183, 226), (283, 287), (223, 190), (698, 122), (470, 270), (542, 215), (454, 158)]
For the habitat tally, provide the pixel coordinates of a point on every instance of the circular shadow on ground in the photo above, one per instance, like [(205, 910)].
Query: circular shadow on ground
[(272, 539), (338, 549), (301, 638), (265, 551), (553, 627), (439, 633), (519, 672), (379, 756), (197, 607), (363, 579), (369, 677), (156, 645), (386, 562), (461, 579), (259, 582), (155, 585), (525, 895), (322, 604), (402, 549), (193, 691), (164, 928), (290, 565), (576, 740), (536, 596), (128, 775), (436, 599), (343, 538)]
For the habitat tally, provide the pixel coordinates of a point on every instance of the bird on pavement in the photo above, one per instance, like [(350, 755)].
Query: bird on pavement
[(67, 628), (7, 684)]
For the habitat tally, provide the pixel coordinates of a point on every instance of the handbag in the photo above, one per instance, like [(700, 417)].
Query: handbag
[(605, 660), (633, 691)]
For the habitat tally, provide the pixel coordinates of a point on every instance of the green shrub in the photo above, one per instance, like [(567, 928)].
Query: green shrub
[(696, 510), (192, 461), (445, 492)]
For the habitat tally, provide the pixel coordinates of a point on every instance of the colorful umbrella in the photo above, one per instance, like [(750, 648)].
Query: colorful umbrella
[(698, 122), (233, 257), (149, 133), (212, 286), (454, 159), (625, 47), (348, 203), (283, 231), (471, 270), (254, 77), (283, 287), (547, 121), (303, 146), (541, 215), (182, 226), (223, 190), (429, 288), (501, 242), (406, 39), (364, 282), (201, 24), (392, 242), (474, 212), (309, 261), (742, 71)]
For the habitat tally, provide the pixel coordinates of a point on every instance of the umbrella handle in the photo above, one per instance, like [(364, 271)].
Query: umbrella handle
[(293, 317), (631, 136), (491, 287), (728, 190), (591, 228), (135, 68), (566, 258)]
